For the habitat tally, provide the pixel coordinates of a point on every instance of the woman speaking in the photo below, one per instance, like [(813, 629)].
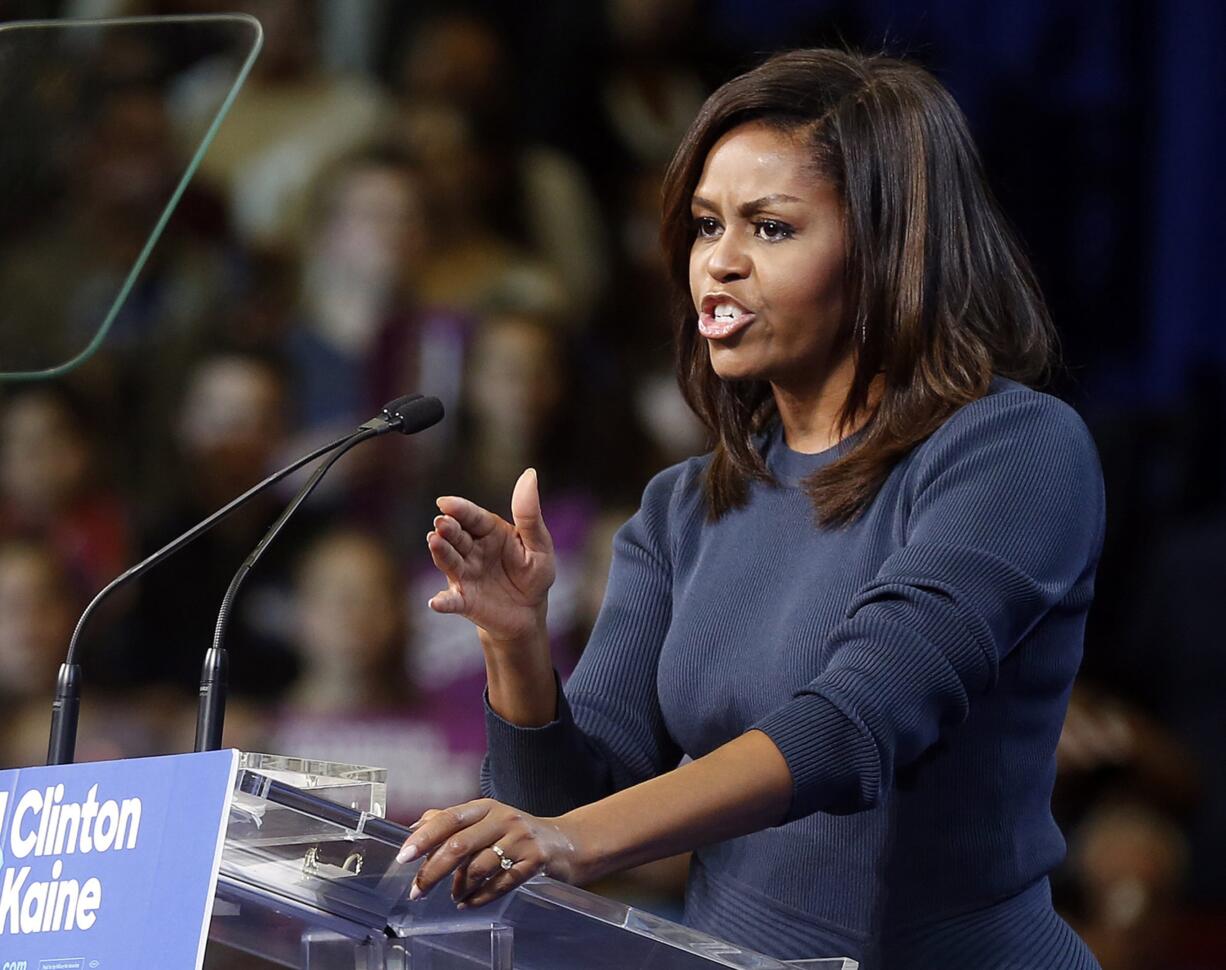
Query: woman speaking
[(861, 613)]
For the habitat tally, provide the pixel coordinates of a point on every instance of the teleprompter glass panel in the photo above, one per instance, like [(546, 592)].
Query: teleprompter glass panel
[(104, 123)]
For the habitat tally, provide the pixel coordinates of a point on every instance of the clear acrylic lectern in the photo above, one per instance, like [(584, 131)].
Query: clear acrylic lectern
[(309, 879)]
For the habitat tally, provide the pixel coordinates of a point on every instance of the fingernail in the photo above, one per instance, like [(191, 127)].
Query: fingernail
[(414, 892), (461, 905), (407, 853)]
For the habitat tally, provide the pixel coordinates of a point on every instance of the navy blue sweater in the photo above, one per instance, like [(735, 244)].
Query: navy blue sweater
[(913, 668)]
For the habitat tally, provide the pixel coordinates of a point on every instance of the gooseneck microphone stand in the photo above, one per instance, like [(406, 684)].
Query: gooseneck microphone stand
[(406, 415)]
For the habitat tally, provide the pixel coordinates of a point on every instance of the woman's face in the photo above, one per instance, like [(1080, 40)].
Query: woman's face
[(766, 264)]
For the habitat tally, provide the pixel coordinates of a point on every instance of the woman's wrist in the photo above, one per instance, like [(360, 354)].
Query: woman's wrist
[(517, 643), (520, 677), (593, 852)]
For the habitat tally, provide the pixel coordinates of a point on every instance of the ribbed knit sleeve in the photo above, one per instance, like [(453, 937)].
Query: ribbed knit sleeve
[(609, 732), (1005, 516)]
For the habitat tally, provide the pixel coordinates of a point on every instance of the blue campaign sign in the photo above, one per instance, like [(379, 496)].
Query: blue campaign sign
[(113, 864)]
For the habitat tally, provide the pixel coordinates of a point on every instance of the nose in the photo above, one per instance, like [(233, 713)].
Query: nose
[(728, 259)]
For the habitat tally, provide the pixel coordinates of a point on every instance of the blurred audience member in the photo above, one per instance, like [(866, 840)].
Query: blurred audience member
[(354, 701), (459, 60), (52, 488), (1108, 744), (478, 257), (37, 614), (361, 337), (514, 403), (290, 121), (36, 619), (1125, 786), (1130, 864), (651, 95)]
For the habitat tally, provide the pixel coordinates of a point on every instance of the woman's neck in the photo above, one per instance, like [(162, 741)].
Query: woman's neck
[(811, 413)]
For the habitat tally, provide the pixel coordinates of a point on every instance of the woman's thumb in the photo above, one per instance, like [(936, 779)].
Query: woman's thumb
[(526, 512)]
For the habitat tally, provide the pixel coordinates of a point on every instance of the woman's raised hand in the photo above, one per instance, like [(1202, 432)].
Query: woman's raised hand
[(498, 573)]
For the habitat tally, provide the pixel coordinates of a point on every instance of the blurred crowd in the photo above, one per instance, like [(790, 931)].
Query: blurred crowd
[(414, 197)]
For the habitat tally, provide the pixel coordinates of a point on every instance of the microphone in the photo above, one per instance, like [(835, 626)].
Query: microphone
[(408, 415), (66, 707)]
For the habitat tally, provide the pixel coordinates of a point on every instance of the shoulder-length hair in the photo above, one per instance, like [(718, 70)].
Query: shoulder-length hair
[(940, 296)]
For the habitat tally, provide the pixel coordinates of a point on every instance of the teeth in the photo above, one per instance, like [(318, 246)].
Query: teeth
[(725, 311)]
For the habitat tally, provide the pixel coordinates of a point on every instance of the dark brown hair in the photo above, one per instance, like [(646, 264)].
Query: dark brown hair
[(940, 295)]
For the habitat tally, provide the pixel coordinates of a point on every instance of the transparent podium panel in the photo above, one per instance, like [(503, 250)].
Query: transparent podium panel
[(309, 879), (556, 925), (308, 831)]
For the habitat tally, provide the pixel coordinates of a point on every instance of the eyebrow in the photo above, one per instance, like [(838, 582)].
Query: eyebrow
[(746, 209)]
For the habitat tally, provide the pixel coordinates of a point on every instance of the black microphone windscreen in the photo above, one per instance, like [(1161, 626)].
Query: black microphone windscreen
[(392, 408), (417, 414)]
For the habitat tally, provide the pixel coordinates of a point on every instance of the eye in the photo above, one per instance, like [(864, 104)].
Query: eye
[(706, 227), (772, 230)]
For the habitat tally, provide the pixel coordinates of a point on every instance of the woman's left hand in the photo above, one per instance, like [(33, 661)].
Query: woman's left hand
[(491, 848)]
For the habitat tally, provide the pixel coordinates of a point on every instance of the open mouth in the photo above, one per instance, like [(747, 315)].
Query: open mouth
[(721, 317)]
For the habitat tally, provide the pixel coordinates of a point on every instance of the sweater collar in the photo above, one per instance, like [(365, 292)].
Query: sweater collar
[(793, 467)]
